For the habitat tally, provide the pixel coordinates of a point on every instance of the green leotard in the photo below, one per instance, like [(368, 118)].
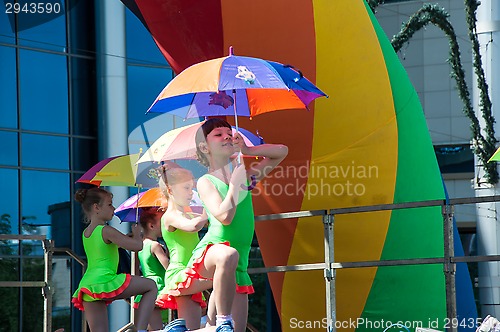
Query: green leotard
[(239, 234), (151, 268), (100, 281), (180, 245)]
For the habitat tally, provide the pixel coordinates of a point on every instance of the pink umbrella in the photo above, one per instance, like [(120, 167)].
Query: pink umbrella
[(180, 144)]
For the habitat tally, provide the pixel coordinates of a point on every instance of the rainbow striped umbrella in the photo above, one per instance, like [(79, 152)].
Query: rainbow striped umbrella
[(121, 170), (235, 85), (127, 211), (180, 143)]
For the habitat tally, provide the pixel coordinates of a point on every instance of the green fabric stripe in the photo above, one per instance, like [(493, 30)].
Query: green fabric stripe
[(410, 293)]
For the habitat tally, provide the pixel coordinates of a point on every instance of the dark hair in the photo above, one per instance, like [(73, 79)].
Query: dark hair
[(89, 197), (147, 215), (202, 133)]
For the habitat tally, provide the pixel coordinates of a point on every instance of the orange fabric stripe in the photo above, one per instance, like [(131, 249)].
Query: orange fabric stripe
[(276, 36), (260, 100), (201, 77)]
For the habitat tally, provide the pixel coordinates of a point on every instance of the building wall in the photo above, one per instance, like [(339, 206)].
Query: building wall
[(425, 59), (48, 134)]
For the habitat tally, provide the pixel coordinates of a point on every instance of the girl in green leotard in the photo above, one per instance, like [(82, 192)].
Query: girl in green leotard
[(180, 228), (153, 258), (100, 285), (229, 207)]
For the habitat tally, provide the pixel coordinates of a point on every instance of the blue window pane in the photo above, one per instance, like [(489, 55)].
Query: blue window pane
[(141, 47), (81, 16), (144, 85), (8, 93), (9, 150), (44, 151), (84, 154), (83, 92), (43, 30), (7, 28), (44, 92), (9, 209), (41, 193), (145, 133)]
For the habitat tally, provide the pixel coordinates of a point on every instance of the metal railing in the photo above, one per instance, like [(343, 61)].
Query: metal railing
[(46, 284), (329, 267)]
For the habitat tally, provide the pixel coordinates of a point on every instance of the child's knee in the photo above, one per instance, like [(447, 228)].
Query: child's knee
[(230, 257), (151, 285)]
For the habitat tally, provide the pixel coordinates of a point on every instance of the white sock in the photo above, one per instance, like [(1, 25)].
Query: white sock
[(219, 319)]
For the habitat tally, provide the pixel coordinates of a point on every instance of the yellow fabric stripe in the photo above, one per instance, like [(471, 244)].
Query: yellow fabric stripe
[(119, 171), (354, 162)]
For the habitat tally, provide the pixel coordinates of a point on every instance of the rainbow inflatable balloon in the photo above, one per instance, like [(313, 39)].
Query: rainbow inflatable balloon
[(366, 144)]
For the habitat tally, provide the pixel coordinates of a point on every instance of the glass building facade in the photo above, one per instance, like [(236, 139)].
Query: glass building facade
[(49, 134)]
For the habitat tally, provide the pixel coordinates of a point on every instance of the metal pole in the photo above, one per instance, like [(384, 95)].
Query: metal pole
[(111, 66), (488, 228), (449, 266), (329, 272), (47, 289)]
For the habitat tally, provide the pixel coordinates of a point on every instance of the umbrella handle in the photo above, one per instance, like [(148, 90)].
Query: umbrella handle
[(238, 158), (137, 205), (252, 184)]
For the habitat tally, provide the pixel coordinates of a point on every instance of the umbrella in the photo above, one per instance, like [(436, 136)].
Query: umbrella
[(495, 156), (121, 170), (150, 198), (180, 143), (127, 211), (235, 85)]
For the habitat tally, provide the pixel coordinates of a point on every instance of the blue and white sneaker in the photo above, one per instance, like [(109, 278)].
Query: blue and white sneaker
[(177, 325), (490, 324), (227, 326)]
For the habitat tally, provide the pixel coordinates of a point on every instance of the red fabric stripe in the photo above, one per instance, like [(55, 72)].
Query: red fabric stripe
[(245, 289), (186, 31), (167, 301)]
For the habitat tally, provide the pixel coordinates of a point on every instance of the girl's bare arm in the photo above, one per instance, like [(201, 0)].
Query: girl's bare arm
[(273, 155), (180, 222), (133, 243), (160, 253)]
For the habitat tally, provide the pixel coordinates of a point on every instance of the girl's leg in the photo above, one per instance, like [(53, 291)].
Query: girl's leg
[(155, 321), (96, 315), (190, 311), (147, 288), (211, 310), (221, 262), (239, 312)]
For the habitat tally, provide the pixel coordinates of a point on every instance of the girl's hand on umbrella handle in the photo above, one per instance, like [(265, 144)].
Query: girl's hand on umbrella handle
[(136, 230), (239, 176), (204, 215), (239, 143)]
